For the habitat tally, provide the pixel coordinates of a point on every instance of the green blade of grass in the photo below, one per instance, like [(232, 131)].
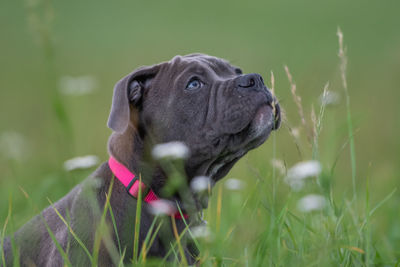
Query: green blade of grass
[(155, 234), (58, 246), (103, 233), (137, 223), (150, 236), (172, 249), (2, 237), (147, 238), (382, 202), (187, 226), (115, 228), (121, 260), (78, 240)]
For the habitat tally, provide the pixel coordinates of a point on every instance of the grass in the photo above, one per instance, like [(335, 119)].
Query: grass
[(258, 225)]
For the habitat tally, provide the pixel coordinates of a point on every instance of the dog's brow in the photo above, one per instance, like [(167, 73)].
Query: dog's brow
[(221, 67), (198, 69)]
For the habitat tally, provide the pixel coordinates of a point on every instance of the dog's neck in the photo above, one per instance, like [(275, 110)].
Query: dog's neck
[(127, 148)]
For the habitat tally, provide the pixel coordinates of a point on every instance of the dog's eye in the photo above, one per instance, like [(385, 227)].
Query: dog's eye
[(194, 84)]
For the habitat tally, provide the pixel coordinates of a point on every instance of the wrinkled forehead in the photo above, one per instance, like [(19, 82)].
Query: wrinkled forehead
[(203, 64)]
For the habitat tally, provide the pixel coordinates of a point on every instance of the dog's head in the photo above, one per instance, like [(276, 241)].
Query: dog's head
[(205, 102)]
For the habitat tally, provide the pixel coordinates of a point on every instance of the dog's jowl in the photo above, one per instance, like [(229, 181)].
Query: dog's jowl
[(193, 116)]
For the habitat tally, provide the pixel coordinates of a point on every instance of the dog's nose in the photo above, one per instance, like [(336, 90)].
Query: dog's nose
[(253, 82), (250, 81)]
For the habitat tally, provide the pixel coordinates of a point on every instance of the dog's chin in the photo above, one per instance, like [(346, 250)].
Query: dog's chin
[(262, 123)]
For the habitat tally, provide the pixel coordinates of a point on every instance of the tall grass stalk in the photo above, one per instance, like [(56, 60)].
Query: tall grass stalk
[(178, 242), (273, 142), (296, 97), (343, 70), (367, 223), (41, 15), (297, 101), (219, 207), (318, 123)]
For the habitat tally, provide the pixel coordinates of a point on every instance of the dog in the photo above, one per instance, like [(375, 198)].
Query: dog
[(203, 102)]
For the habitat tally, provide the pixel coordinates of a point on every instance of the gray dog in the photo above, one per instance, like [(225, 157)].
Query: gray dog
[(204, 102)]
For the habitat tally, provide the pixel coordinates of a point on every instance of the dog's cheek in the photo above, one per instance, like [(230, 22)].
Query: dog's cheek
[(236, 118), (156, 125)]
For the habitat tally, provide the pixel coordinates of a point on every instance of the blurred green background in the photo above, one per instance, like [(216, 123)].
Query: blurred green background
[(42, 42)]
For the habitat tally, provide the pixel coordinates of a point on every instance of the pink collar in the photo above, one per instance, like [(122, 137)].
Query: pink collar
[(129, 180)]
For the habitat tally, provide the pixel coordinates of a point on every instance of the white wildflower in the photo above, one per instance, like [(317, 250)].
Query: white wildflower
[(296, 133), (234, 184), (200, 183), (311, 203), (279, 165), (162, 207), (84, 162), (295, 184), (175, 150), (80, 85), (13, 145), (302, 170), (201, 231), (329, 98)]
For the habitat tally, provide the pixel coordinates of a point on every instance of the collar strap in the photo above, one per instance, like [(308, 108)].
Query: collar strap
[(132, 184)]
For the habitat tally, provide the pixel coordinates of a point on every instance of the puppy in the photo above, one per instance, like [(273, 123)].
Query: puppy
[(212, 112)]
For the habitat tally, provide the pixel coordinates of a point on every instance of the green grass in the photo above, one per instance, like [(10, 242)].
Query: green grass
[(260, 224)]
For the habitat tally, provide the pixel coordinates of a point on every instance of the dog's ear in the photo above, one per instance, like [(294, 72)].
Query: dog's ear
[(129, 90)]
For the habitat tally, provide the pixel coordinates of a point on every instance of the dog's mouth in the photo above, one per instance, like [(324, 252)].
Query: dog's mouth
[(266, 119)]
